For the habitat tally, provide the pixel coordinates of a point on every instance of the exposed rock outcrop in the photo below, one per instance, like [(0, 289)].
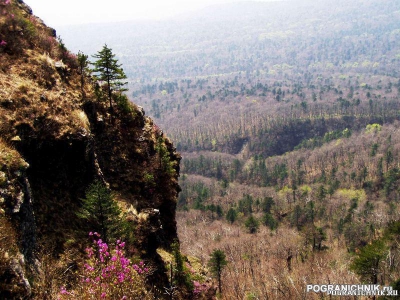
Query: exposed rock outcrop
[(54, 143)]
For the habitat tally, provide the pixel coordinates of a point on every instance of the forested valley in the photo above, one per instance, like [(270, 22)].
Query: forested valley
[(287, 117)]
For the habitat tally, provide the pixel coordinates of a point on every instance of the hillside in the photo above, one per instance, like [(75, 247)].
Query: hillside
[(58, 138), (286, 115), (269, 65)]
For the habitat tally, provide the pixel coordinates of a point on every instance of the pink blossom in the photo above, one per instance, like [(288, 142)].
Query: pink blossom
[(121, 277), (89, 267), (63, 291), (107, 266), (89, 252)]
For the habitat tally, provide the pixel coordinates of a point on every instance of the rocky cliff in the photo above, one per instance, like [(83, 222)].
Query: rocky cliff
[(55, 139)]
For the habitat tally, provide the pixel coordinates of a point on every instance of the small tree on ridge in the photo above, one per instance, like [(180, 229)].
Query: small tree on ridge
[(109, 71), (83, 63)]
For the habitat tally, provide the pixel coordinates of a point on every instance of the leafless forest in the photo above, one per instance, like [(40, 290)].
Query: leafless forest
[(286, 115)]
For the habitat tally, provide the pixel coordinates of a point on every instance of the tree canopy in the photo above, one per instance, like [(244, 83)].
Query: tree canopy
[(101, 212), (252, 224), (216, 263), (83, 63), (368, 260), (108, 70)]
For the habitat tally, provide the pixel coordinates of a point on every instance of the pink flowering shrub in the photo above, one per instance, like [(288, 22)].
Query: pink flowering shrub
[(199, 288), (48, 43), (108, 274), (5, 2), (17, 30), (70, 59)]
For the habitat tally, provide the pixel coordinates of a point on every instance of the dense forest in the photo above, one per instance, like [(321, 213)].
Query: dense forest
[(286, 115)]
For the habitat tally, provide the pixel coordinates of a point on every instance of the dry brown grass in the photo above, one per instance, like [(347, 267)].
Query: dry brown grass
[(32, 88), (10, 159), (43, 96)]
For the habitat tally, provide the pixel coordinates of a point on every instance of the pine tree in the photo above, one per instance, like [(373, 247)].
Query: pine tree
[(83, 63), (216, 263), (269, 221), (219, 211), (101, 212), (252, 224), (182, 278), (368, 261), (231, 215), (109, 71)]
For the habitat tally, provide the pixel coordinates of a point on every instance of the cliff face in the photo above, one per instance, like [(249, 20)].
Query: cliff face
[(56, 139)]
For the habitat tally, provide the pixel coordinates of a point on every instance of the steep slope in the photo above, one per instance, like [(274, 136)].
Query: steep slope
[(56, 139)]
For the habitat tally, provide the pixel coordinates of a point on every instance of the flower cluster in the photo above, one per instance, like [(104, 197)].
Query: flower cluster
[(3, 43), (140, 269), (4, 3), (6, 6), (199, 287), (108, 274), (63, 291)]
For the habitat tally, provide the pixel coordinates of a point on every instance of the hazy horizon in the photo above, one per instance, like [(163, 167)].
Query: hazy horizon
[(58, 13)]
